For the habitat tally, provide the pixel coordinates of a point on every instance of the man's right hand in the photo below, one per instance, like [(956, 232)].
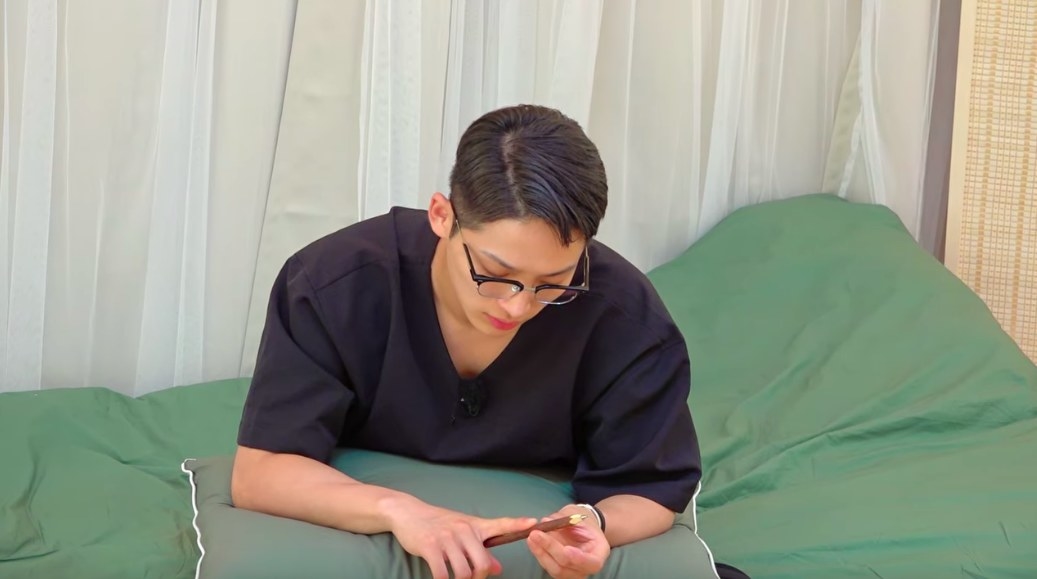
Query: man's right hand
[(441, 537)]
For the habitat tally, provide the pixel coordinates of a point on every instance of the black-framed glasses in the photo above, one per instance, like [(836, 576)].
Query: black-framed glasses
[(500, 288)]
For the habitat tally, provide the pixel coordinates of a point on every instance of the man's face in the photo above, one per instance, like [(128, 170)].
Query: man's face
[(529, 252)]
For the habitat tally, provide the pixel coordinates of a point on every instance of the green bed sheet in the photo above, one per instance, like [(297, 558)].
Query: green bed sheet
[(90, 480), (861, 414)]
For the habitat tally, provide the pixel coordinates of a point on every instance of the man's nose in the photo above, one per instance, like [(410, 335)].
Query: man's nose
[(518, 305)]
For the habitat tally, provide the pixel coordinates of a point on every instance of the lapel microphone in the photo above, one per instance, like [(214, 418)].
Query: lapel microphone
[(472, 397)]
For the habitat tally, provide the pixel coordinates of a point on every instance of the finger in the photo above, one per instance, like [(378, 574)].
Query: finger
[(568, 557), (581, 562), (556, 549), (591, 544), (437, 565), (482, 563), (458, 562), (587, 548), (545, 559), (492, 527)]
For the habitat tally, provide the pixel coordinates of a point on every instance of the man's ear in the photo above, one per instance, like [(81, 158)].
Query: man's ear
[(441, 215)]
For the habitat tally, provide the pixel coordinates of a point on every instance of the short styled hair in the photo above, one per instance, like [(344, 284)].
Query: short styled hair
[(525, 162)]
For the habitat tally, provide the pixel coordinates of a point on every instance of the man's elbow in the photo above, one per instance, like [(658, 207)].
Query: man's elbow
[(243, 477)]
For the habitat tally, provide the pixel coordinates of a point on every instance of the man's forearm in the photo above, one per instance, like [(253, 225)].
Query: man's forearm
[(300, 488), (630, 518)]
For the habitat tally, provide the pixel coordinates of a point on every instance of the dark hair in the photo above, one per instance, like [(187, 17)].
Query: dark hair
[(526, 162)]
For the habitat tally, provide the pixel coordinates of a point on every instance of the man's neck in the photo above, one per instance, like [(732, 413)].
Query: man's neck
[(443, 292)]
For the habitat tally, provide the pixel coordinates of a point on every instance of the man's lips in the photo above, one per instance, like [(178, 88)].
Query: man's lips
[(501, 324)]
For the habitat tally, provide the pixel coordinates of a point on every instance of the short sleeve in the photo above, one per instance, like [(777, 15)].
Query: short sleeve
[(638, 436), (300, 392)]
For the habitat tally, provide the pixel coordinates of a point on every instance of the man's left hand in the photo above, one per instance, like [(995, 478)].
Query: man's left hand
[(573, 552)]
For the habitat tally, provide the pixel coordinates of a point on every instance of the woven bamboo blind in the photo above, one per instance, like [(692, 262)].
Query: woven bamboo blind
[(992, 207)]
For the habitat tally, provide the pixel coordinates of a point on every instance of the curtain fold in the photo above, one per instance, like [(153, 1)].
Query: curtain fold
[(30, 36), (255, 40), (170, 347), (160, 159), (312, 186), (393, 78), (131, 178)]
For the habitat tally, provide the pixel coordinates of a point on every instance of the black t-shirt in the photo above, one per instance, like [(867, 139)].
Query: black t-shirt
[(352, 355)]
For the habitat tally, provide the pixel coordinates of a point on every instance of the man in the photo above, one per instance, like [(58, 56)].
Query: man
[(489, 329)]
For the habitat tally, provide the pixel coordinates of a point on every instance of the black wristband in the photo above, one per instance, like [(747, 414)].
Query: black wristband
[(601, 517)]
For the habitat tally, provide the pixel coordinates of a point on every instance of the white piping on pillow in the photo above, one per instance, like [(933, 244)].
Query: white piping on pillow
[(194, 520), (695, 521)]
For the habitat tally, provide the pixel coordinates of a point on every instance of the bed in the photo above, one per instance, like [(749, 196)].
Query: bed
[(860, 411)]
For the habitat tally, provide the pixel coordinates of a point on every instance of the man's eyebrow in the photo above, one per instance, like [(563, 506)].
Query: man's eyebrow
[(510, 267)]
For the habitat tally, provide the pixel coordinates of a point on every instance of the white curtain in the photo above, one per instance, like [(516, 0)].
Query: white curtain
[(161, 158), (698, 107), (138, 138)]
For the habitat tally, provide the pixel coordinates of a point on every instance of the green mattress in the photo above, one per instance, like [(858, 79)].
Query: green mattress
[(860, 411)]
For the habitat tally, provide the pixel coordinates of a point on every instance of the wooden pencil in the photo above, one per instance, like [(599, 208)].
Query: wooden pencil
[(546, 526)]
